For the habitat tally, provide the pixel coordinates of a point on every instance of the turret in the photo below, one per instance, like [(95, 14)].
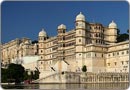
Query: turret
[(61, 29), (80, 29), (112, 33), (80, 39), (42, 35)]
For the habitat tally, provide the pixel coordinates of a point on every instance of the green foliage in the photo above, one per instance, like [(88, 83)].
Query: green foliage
[(84, 68), (35, 41), (36, 75), (3, 75), (32, 76), (118, 32), (14, 73), (26, 75), (122, 37)]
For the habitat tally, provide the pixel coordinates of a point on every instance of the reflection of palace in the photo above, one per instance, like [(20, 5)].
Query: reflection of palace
[(90, 44)]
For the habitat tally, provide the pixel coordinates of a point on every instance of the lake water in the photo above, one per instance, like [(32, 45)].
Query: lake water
[(109, 86)]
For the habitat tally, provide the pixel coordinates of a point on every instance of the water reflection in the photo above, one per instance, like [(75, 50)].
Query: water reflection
[(85, 86), (69, 86)]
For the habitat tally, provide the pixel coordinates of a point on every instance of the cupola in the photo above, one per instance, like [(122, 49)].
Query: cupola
[(112, 25), (62, 26), (42, 33), (80, 16)]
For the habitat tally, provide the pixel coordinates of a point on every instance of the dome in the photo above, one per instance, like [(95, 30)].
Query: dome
[(80, 17), (62, 26), (42, 33), (112, 25)]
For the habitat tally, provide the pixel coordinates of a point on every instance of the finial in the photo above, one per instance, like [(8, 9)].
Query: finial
[(42, 29), (112, 21), (80, 12)]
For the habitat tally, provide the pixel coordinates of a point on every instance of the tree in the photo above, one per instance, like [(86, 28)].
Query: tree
[(26, 76), (35, 41), (3, 75), (15, 72), (84, 68), (122, 37), (36, 75)]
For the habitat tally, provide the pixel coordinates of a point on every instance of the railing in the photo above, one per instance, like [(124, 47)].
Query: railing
[(105, 77)]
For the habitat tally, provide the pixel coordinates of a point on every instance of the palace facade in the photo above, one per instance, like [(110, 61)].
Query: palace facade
[(90, 44), (14, 50)]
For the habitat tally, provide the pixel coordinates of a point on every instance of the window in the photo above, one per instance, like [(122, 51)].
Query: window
[(41, 51), (122, 62), (122, 52), (127, 62), (117, 53), (108, 64), (102, 55), (113, 54), (127, 51), (96, 41), (79, 40), (95, 55), (115, 63), (41, 62)]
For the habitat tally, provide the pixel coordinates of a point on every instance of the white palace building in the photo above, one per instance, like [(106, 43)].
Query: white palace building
[(90, 44)]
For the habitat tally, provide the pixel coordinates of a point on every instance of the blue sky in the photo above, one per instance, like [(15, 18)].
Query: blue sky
[(26, 19)]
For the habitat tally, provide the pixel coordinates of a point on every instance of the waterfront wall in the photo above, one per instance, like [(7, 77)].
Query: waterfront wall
[(109, 77), (80, 77)]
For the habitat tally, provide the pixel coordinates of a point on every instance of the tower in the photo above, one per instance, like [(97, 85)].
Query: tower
[(61, 44), (41, 44), (112, 33), (80, 39)]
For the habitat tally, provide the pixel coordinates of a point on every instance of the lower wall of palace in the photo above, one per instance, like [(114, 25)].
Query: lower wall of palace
[(78, 77)]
